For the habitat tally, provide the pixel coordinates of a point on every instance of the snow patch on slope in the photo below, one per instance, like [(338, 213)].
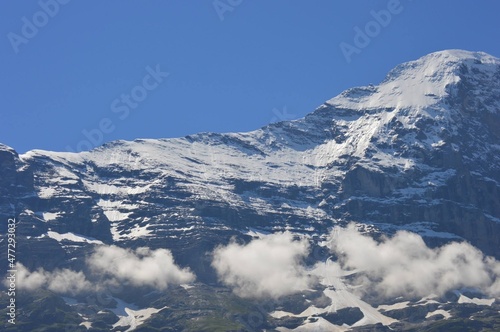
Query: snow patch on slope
[(445, 313), (129, 315), (341, 297), (465, 299), (115, 215), (48, 216), (72, 237)]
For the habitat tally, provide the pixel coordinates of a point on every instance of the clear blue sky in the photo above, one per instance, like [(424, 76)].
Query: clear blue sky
[(232, 68)]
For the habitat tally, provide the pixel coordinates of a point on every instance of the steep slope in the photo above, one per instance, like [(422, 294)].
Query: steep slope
[(420, 151), (420, 147)]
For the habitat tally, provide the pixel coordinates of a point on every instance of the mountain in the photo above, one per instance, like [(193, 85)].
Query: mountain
[(419, 152)]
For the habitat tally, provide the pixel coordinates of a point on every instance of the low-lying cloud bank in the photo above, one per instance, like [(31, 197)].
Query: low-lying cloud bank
[(266, 267), (403, 265), (273, 266), (62, 281), (110, 266), (142, 267)]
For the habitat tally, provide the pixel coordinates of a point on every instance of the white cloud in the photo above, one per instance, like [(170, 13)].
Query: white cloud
[(403, 265), (30, 280), (494, 289), (63, 281), (110, 266), (142, 267), (269, 266), (272, 266), (67, 281)]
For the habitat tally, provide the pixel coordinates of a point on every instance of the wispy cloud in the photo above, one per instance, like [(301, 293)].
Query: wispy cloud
[(109, 265), (404, 265), (142, 267), (266, 267), (62, 281)]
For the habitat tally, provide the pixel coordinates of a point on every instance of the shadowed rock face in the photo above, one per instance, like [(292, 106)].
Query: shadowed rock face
[(15, 181)]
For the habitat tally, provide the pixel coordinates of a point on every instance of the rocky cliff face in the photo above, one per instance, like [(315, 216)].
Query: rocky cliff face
[(420, 151)]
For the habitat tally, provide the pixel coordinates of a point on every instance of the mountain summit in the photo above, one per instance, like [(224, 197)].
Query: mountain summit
[(419, 152)]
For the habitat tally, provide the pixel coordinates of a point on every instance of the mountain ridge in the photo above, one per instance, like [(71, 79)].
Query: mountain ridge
[(334, 139), (418, 152)]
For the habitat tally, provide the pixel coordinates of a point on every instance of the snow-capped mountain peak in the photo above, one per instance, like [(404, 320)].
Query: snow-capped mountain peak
[(418, 152), (420, 83)]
